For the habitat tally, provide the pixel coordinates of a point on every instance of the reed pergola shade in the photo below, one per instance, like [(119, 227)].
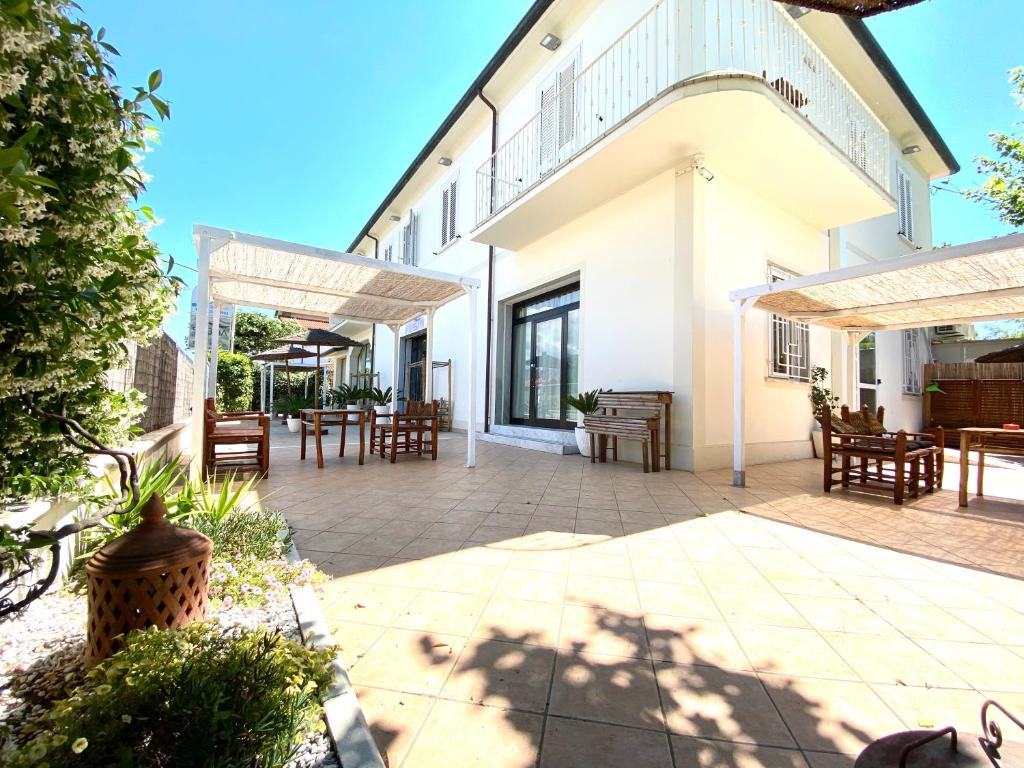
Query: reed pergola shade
[(255, 271), (970, 283), (860, 9)]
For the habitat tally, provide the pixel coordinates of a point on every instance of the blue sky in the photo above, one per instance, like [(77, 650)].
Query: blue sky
[(293, 120)]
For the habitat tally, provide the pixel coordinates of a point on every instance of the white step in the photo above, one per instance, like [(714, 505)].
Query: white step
[(538, 443), (563, 436)]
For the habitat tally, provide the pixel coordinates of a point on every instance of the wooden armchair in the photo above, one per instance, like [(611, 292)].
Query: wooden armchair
[(215, 434), (900, 463), (406, 432)]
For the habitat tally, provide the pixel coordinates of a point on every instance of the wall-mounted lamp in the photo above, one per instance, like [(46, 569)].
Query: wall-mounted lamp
[(913, 149), (445, 161), (551, 42), (394, 217), (696, 165), (796, 11)]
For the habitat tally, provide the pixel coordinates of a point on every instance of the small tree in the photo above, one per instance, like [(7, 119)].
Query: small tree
[(1003, 191), (821, 395), (255, 332), (234, 381)]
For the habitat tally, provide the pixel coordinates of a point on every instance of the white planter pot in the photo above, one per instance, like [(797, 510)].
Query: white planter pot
[(382, 410), (583, 441), (293, 424), (817, 440), (352, 407)]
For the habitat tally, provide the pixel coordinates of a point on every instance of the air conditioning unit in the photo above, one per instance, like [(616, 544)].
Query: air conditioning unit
[(950, 332)]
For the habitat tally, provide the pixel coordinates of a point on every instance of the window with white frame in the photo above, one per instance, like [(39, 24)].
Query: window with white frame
[(409, 241), (912, 363), (905, 204), (789, 342), (449, 210)]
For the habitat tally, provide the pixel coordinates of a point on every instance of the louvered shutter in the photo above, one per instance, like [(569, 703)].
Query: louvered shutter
[(566, 106), (905, 204), (547, 138), (453, 204), (409, 240), (445, 203)]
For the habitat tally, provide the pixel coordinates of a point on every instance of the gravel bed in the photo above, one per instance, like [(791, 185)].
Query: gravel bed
[(42, 654)]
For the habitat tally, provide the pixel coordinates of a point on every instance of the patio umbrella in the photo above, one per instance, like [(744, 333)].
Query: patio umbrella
[(282, 354), (319, 338), (856, 8)]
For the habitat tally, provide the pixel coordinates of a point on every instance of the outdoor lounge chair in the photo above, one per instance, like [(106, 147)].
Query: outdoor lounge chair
[(899, 463), (217, 432)]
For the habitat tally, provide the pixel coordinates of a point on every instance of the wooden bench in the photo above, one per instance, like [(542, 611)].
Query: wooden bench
[(632, 416), (215, 434)]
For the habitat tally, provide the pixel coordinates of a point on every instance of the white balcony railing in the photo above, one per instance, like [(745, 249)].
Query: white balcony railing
[(676, 40)]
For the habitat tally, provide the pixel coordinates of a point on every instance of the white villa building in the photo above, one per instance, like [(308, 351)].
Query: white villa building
[(614, 172)]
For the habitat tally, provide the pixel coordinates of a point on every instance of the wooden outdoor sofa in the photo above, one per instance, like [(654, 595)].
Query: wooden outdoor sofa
[(216, 432), (905, 462), (632, 416)]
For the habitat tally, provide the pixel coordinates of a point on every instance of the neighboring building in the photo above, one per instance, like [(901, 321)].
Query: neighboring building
[(977, 350), (644, 163), (225, 329)]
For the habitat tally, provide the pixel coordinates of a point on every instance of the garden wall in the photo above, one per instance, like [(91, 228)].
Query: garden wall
[(163, 372)]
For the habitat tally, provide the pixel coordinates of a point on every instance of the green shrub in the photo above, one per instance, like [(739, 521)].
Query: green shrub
[(187, 698), (249, 581), (235, 381), (261, 533)]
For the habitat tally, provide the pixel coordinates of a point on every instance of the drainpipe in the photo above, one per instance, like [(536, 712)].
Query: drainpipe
[(373, 328), (490, 272)]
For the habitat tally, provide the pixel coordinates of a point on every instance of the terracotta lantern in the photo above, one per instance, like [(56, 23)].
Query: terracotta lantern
[(154, 575)]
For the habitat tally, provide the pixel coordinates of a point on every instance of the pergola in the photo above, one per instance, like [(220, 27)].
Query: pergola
[(970, 283), (253, 271)]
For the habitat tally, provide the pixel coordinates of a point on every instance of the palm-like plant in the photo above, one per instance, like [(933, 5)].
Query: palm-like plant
[(584, 402), (290, 405), (346, 394), (380, 397)]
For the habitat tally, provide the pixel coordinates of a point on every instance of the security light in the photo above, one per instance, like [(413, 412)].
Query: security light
[(551, 42), (913, 149), (797, 11), (445, 161), (394, 217)]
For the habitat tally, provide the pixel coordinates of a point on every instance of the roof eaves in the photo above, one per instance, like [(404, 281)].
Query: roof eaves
[(878, 56), (530, 18)]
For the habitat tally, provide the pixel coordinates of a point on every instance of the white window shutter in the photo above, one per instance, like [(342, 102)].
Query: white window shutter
[(445, 203), (453, 207), (566, 104), (905, 204), (409, 240), (547, 138)]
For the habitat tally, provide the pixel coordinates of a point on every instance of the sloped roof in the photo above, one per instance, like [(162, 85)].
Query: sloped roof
[(967, 283)]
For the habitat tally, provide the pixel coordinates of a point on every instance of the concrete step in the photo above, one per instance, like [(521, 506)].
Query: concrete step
[(538, 443), (563, 436)]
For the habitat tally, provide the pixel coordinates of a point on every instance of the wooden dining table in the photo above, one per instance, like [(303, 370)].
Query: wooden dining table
[(316, 419), (974, 438)]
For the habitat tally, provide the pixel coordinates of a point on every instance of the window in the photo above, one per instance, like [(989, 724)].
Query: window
[(912, 364), (389, 249), (449, 210), (789, 342), (557, 99), (409, 249), (905, 204)]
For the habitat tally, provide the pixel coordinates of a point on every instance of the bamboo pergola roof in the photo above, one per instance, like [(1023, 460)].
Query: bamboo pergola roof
[(969, 283), (857, 8), (255, 271)]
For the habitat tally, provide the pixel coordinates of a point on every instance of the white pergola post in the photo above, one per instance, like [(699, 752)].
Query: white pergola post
[(428, 364), (211, 383), (396, 330), (201, 339), (263, 388), (271, 397), (739, 312), (471, 290)]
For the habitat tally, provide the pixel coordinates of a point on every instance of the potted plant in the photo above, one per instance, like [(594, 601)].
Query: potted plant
[(586, 404), (348, 396), (820, 396), (381, 400), (290, 405)]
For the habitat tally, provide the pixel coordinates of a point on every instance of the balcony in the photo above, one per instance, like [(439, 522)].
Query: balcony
[(736, 81)]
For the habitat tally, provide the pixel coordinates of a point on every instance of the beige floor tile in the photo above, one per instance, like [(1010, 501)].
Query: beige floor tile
[(450, 531), (836, 615), (791, 651), (442, 612), (829, 760), (688, 600), (756, 606), (459, 735), (659, 569), (400, 572), (879, 589), (501, 674), (386, 545), (1000, 626), (702, 753), (920, 707), (831, 715), (986, 667), (354, 639), (474, 554), (409, 661), (587, 563), (467, 578), (611, 689), (424, 547), (520, 621), (364, 525), (394, 719), (694, 641), (329, 541), (342, 565), (719, 704), (926, 621), (598, 630), (895, 660), (524, 584), (369, 603), (581, 744), (602, 592)]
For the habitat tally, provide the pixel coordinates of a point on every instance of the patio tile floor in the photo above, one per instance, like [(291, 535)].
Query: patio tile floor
[(540, 610)]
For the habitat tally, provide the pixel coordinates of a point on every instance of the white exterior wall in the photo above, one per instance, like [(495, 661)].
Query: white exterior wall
[(655, 266)]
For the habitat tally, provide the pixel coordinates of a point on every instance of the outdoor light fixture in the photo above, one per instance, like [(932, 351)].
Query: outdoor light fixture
[(913, 149), (796, 11), (394, 217), (551, 42), (696, 165), (445, 161)]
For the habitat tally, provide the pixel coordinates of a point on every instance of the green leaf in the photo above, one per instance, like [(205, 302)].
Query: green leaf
[(110, 49), (40, 181), (101, 34), (155, 78), (10, 213), (10, 155), (162, 107), (146, 211)]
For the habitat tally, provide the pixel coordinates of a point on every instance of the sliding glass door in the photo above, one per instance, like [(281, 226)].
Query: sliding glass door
[(545, 358)]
